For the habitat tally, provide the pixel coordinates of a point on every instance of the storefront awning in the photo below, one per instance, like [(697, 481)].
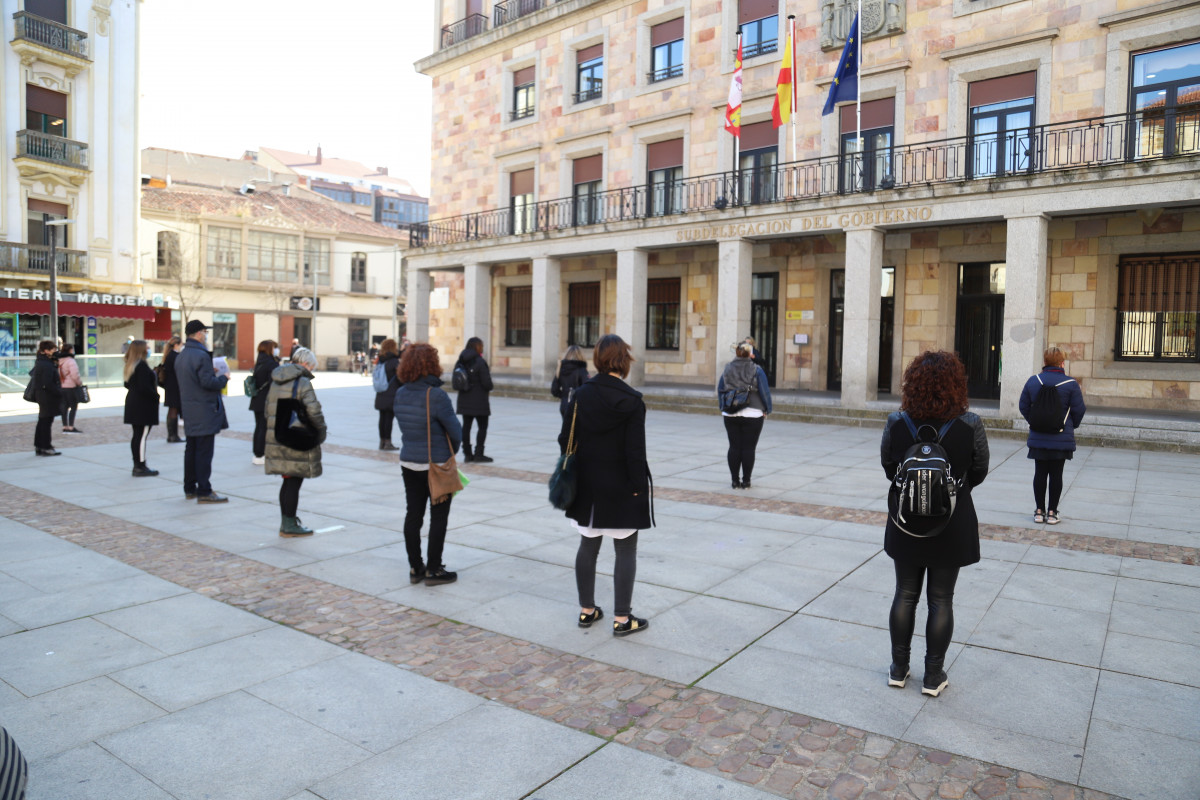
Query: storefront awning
[(69, 309)]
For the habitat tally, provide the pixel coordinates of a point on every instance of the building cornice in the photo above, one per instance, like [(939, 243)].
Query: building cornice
[(1136, 14), (878, 69), (1001, 44), (661, 118)]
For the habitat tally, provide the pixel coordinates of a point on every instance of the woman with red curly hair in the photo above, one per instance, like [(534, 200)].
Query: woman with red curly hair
[(422, 406), (934, 393)]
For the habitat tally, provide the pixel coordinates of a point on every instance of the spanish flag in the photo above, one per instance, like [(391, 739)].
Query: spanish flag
[(733, 111), (781, 112)]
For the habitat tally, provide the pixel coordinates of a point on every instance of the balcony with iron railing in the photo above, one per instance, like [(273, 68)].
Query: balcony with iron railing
[(503, 12), (35, 259), (1081, 145), (50, 149), (50, 41)]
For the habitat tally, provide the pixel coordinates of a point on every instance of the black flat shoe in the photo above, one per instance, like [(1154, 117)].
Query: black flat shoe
[(416, 574), (631, 625), (586, 620)]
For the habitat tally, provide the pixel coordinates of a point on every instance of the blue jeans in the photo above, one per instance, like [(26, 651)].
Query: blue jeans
[(197, 464)]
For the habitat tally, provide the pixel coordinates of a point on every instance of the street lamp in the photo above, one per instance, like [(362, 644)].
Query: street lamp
[(54, 275)]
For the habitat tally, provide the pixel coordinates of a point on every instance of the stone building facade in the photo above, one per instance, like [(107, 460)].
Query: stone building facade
[(1026, 174)]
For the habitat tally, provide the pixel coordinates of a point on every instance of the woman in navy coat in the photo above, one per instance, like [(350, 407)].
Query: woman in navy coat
[(1051, 451)]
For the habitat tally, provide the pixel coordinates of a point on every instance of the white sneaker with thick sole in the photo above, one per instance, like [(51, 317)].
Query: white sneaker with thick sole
[(257, 461)]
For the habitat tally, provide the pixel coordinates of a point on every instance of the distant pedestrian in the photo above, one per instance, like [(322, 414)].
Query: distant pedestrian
[(755, 356), (612, 499), (141, 404), (743, 379), (266, 362), (295, 346), (389, 357), (203, 412), (68, 374), (426, 420), (14, 770), (572, 373), (294, 380), (171, 388), (1050, 449), (47, 388), (933, 393), (472, 403)]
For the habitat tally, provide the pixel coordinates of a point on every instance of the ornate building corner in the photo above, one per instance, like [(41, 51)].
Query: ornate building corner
[(880, 19)]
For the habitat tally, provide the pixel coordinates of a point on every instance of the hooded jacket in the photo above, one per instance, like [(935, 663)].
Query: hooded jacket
[(284, 460), (571, 375), (1071, 398), (744, 372), (613, 483), (47, 385), (474, 401), (410, 414)]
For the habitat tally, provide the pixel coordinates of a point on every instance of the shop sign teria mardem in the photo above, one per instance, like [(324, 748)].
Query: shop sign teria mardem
[(21, 293)]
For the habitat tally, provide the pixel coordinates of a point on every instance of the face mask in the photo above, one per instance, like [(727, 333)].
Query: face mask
[(277, 352)]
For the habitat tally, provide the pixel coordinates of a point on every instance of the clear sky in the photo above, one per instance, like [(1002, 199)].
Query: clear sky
[(226, 76)]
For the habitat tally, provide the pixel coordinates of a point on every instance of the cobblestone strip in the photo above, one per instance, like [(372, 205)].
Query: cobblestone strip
[(787, 754)]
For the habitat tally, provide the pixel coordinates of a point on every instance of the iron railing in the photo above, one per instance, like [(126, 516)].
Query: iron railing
[(666, 73), (509, 10), (35, 258), (56, 149), (1080, 144), (464, 29), (50, 34)]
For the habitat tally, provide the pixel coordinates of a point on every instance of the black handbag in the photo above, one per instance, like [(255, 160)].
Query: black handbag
[(30, 390), (82, 394), (564, 480), (293, 429)]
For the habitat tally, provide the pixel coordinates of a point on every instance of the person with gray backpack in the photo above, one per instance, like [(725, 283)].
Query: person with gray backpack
[(745, 400), (1052, 404)]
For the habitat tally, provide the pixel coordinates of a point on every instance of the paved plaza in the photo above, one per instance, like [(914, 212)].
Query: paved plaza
[(151, 648)]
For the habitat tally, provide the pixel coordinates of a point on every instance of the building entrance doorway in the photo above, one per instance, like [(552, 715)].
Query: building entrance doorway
[(979, 329), (764, 319), (887, 316)]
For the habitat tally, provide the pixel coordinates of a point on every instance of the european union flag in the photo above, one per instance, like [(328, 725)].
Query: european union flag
[(845, 79)]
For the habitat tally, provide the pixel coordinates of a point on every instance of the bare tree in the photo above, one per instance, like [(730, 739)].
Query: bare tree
[(179, 266)]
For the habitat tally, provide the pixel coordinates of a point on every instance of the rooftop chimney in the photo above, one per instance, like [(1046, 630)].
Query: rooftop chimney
[(318, 154), (381, 170)]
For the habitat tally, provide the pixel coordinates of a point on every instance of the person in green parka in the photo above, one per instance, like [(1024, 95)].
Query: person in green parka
[(294, 465)]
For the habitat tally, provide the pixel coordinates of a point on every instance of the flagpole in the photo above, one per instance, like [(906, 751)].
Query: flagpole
[(858, 92), (792, 39)]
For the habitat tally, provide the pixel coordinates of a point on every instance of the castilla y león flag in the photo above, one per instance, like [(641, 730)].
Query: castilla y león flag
[(733, 111)]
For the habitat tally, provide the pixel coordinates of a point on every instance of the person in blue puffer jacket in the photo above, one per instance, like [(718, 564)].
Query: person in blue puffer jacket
[(1051, 451), (419, 374)]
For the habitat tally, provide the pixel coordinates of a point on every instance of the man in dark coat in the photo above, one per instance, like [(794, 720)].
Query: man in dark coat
[(47, 387), (202, 410), (472, 404)]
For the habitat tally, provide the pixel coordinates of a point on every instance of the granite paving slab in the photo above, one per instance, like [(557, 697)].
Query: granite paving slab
[(89, 773), (49, 658)]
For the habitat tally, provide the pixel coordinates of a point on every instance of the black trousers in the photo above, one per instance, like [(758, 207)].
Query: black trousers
[(69, 407), (289, 495), (416, 495), (260, 434), (197, 464), (483, 423), (939, 600), (41, 432), (743, 433), (386, 417), (1051, 471), (141, 433), (624, 572), (172, 423)]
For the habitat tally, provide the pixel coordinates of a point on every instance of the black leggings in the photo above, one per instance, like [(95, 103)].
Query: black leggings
[(416, 498), (141, 433), (623, 573), (260, 434), (69, 407), (1043, 471), (173, 423), (940, 602), (289, 495), (386, 416), (743, 433), (483, 422)]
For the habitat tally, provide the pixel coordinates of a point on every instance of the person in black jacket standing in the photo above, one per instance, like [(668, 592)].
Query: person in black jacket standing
[(389, 357), (472, 403), (264, 365), (1051, 451), (141, 404), (48, 391), (171, 388), (572, 373), (933, 393), (612, 498)]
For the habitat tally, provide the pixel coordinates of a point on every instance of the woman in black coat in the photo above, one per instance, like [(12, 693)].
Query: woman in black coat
[(264, 365), (389, 357), (934, 393), (607, 420), (472, 403), (171, 388), (47, 389), (1051, 451), (572, 373), (141, 404)]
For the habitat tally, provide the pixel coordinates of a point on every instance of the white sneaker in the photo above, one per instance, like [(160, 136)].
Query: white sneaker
[(257, 461)]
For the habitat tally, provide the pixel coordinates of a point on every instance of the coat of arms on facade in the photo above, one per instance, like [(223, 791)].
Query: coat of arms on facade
[(880, 18)]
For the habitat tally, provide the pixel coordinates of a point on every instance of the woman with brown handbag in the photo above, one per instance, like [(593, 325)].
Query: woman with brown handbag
[(430, 435)]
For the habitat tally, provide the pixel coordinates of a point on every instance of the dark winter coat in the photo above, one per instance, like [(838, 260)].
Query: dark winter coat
[(474, 401), (410, 413), (284, 460), (200, 402), (170, 385), (263, 367), (571, 375), (1070, 397), (613, 489), (141, 401), (47, 385), (744, 372), (386, 399), (967, 446)]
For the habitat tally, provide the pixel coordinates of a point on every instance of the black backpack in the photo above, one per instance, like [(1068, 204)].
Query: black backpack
[(1046, 407), (460, 379), (926, 487)]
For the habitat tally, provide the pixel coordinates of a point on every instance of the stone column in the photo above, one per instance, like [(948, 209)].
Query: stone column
[(1024, 307), (735, 263), (631, 308), (420, 284), (477, 304), (860, 338), (547, 320)]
